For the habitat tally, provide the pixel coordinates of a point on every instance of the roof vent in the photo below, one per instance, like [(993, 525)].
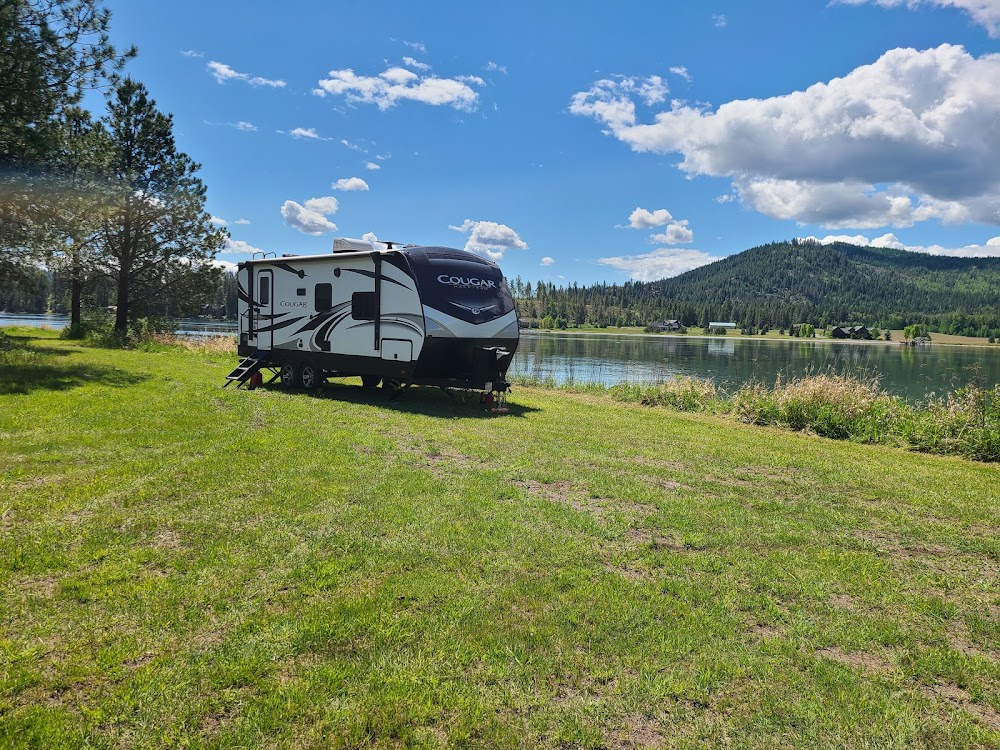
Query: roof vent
[(347, 245)]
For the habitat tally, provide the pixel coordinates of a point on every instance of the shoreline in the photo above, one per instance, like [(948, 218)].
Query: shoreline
[(967, 341)]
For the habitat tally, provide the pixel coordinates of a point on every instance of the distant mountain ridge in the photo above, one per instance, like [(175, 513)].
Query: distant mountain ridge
[(843, 283), (784, 283)]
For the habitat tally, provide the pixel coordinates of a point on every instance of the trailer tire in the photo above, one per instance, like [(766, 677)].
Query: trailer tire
[(370, 381), (310, 376), (289, 375)]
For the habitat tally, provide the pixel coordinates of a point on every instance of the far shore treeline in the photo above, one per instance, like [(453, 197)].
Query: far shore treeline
[(771, 287)]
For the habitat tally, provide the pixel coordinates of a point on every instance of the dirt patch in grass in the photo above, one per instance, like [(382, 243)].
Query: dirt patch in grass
[(35, 482), (167, 539), (959, 698), (959, 639), (559, 491), (760, 631), (637, 732), (438, 460), (40, 586), (944, 559), (140, 661), (437, 457), (213, 723), (845, 601), (755, 474), (659, 463), (577, 497), (870, 663), (620, 556), (643, 536)]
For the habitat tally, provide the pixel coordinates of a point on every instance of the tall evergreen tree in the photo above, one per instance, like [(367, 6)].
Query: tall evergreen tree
[(157, 242), (77, 220), (51, 51)]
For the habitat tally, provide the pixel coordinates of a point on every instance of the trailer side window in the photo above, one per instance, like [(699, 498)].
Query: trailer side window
[(265, 290), (363, 306), (324, 297)]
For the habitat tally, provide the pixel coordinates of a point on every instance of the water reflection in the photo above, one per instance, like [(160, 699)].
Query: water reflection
[(912, 372)]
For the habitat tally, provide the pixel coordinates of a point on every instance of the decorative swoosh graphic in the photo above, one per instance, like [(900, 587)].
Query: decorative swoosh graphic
[(371, 275), (285, 267)]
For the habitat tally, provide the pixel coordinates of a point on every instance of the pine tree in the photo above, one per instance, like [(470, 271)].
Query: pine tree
[(51, 51), (157, 243)]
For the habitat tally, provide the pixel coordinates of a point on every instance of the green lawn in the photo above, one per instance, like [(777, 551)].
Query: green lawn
[(187, 566)]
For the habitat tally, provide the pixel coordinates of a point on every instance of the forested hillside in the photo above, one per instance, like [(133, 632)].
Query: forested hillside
[(783, 283)]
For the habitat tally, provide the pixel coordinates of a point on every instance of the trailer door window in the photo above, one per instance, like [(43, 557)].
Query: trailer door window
[(363, 306), (264, 291), (324, 297)]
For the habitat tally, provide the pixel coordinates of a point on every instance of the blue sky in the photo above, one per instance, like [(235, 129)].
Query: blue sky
[(584, 141)]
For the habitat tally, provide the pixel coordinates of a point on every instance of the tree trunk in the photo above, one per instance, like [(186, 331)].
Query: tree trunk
[(121, 316), (76, 294), (124, 275)]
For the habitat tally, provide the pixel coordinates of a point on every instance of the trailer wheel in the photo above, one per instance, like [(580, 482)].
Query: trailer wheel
[(370, 381), (310, 376), (289, 376)]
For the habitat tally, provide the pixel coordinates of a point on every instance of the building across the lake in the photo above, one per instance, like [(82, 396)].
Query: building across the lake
[(851, 332), (666, 325)]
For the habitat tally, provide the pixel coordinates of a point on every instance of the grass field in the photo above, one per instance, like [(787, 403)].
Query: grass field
[(187, 566)]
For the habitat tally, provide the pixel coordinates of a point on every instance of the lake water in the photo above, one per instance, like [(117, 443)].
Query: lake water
[(730, 361), (58, 322), (910, 371)]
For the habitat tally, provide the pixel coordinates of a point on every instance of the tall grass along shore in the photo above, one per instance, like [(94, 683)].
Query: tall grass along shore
[(187, 566), (964, 422)]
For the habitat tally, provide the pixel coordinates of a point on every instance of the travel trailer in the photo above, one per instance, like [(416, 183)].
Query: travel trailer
[(401, 315)]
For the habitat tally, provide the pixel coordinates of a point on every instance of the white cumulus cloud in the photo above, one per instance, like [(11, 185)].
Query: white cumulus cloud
[(911, 137), (350, 183), (310, 218), (238, 247), (642, 218), (984, 12), (610, 100), (489, 238), (548, 260), (415, 64), (397, 84), (676, 233), (242, 221), (218, 221), (659, 264), (223, 73), (372, 165)]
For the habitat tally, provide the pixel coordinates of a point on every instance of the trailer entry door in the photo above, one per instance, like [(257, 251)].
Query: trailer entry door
[(264, 309)]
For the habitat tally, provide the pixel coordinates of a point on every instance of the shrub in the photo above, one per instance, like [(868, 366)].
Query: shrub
[(99, 330), (681, 393), (834, 406)]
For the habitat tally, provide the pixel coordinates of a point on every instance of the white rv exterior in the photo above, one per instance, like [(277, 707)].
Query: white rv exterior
[(407, 315)]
